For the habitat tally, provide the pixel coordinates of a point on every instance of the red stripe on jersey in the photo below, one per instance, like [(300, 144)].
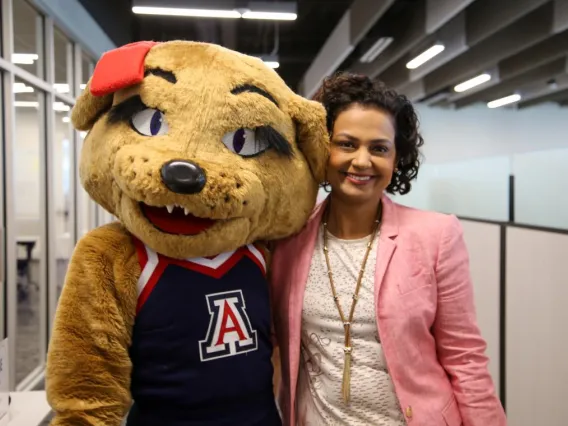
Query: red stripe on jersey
[(141, 252), (154, 278)]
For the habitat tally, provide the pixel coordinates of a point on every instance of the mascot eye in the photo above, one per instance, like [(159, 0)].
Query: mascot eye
[(245, 143), (150, 122)]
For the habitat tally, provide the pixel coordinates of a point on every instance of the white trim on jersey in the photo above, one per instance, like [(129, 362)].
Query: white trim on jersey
[(148, 270), (256, 253), (214, 263)]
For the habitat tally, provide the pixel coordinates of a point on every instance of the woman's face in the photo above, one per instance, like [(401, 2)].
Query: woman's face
[(363, 154)]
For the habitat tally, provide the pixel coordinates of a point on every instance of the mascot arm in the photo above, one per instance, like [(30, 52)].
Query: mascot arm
[(88, 366)]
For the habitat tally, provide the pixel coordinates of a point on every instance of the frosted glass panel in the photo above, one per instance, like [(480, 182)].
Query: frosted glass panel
[(541, 179), (476, 188), (419, 195)]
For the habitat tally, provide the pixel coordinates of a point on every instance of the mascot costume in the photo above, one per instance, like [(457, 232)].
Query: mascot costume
[(203, 154)]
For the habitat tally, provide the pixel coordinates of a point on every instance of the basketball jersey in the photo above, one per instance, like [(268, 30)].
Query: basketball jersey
[(201, 344)]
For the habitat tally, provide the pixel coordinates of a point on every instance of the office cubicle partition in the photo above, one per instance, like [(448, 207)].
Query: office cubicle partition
[(521, 291)]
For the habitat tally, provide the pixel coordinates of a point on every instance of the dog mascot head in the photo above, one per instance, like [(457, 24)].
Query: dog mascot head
[(198, 149)]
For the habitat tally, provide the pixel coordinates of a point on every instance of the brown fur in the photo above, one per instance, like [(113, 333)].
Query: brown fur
[(261, 198)]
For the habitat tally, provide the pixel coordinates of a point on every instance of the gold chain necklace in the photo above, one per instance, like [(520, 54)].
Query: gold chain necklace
[(346, 385)]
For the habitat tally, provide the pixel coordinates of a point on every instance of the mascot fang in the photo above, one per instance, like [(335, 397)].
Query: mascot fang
[(202, 153)]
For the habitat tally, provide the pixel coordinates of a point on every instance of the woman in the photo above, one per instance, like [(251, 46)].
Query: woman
[(373, 301)]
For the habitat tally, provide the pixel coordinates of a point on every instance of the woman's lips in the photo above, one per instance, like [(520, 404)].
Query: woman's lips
[(359, 179)]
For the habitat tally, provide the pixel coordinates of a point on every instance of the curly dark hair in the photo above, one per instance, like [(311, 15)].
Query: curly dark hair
[(340, 91)]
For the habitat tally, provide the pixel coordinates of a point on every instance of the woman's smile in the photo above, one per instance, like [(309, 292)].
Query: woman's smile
[(359, 179)]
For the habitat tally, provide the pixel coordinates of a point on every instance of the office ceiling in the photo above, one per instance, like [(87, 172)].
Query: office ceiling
[(297, 42), (521, 44)]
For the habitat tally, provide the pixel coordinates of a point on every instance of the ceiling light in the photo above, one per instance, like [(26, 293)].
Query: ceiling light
[(174, 11), (281, 11), (61, 107), (26, 104), (24, 58), (57, 106), (376, 49), (473, 82), (278, 16), (271, 61), (504, 101), (425, 56), (22, 88), (61, 87)]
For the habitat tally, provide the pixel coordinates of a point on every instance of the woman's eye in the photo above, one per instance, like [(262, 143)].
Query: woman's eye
[(244, 142), (150, 122)]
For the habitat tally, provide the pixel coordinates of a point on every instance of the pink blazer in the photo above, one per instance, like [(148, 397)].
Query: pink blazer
[(425, 316)]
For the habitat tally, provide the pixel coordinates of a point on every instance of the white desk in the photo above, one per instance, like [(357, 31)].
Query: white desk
[(27, 409)]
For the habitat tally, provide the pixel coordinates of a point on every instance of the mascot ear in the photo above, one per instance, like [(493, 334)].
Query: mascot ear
[(312, 134), (117, 69), (88, 108)]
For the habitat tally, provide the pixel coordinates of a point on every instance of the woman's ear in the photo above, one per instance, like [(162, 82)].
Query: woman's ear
[(311, 135), (88, 108)]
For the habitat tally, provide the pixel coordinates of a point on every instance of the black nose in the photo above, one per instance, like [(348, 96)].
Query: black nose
[(183, 177)]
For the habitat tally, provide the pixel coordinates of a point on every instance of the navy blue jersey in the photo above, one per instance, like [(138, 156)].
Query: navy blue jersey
[(201, 345)]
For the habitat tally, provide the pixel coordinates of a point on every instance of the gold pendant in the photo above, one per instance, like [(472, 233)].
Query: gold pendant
[(346, 387)]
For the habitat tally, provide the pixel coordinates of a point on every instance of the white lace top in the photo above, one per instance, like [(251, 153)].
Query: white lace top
[(373, 400)]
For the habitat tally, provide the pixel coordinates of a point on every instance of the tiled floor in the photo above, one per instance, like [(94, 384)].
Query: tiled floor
[(28, 350), (27, 342)]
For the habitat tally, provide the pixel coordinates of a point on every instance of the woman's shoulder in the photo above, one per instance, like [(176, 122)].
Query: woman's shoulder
[(425, 222)]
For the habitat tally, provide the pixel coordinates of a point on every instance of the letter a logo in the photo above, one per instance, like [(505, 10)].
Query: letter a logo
[(230, 332)]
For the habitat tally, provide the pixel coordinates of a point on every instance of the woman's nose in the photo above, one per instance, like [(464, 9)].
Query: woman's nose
[(183, 177), (362, 159)]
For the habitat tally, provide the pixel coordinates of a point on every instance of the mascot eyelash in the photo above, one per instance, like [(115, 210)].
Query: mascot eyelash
[(124, 112)]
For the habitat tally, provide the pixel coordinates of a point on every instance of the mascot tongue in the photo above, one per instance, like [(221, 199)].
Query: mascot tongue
[(176, 222)]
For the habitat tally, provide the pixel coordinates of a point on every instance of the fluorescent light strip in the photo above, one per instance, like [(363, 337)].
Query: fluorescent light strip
[(278, 16), (504, 101), (425, 57), (376, 49), (61, 87), (26, 104), (57, 106), (473, 82), (64, 87), (22, 88), (272, 64), (214, 13), (24, 58), (200, 13), (60, 106)]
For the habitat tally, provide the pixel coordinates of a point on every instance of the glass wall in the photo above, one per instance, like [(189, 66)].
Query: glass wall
[(63, 197), (41, 195), (28, 38), (528, 188), (29, 220)]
